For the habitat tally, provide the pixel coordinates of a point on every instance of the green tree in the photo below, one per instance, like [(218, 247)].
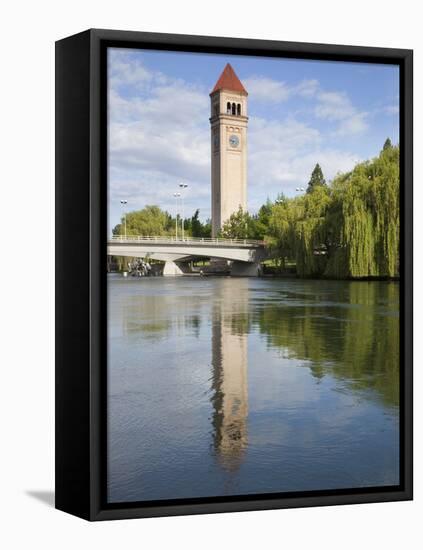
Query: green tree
[(262, 219), (349, 229), (240, 225), (206, 229), (387, 144), (316, 179), (310, 233), (151, 220), (364, 219), (195, 228), (196, 225), (280, 230)]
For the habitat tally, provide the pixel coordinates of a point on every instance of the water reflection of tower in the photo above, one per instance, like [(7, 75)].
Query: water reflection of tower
[(230, 378)]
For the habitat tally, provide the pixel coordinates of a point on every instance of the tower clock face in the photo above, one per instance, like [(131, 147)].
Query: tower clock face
[(233, 140)]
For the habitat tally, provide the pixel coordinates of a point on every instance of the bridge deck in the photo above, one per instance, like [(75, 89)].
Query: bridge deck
[(186, 241)]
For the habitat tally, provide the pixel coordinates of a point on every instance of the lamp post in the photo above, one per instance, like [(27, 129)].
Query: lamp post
[(124, 202), (183, 186), (176, 195)]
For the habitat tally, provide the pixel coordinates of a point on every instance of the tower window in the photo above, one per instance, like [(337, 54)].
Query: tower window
[(233, 109), (238, 109), (216, 109), (228, 108)]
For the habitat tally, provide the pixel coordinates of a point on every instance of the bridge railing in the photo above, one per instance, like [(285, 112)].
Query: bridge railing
[(188, 240)]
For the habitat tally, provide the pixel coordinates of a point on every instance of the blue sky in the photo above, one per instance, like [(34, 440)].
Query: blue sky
[(300, 112)]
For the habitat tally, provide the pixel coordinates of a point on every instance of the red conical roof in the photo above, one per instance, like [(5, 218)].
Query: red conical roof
[(229, 81)]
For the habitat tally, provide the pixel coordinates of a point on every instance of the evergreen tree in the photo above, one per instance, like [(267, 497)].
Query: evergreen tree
[(206, 229), (387, 144), (316, 178), (261, 220), (196, 225)]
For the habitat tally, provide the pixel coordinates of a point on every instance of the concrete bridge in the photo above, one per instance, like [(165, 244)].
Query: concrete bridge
[(245, 255)]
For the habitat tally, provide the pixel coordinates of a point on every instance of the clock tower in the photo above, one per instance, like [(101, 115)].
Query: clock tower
[(228, 147)]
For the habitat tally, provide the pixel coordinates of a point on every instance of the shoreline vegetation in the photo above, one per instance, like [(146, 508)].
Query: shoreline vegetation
[(346, 229)]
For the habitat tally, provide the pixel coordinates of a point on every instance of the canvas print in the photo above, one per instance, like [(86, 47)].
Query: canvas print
[(253, 275)]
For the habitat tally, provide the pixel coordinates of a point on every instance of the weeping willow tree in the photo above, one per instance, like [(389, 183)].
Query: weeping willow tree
[(310, 233), (349, 229), (298, 229), (353, 227), (281, 236), (363, 220)]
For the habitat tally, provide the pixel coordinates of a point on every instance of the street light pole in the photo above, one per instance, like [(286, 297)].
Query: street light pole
[(123, 202), (176, 195), (183, 186)]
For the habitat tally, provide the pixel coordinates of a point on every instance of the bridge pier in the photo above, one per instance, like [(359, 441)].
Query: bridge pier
[(171, 269), (245, 269)]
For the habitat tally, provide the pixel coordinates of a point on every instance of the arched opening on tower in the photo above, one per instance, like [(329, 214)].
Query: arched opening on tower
[(238, 109), (228, 108), (233, 109)]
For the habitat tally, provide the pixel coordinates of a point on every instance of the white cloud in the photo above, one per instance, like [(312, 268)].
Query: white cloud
[(159, 135), (307, 88), (276, 91), (330, 105), (124, 71), (333, 106), (391, 109), (332, 162), (267, 89), (157, 138), (337, 106), (273, 146), (353, 124), (282, 156)]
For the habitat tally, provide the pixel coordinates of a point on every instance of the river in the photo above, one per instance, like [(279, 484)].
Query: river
[(223, 386)]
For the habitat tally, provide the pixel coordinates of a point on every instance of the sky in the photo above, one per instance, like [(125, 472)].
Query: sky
[(300, 112)]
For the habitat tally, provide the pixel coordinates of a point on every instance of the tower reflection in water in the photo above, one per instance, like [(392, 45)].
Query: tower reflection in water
[(229, 373)]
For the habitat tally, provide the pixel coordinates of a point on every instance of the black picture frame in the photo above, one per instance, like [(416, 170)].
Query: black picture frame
[(81, 212)]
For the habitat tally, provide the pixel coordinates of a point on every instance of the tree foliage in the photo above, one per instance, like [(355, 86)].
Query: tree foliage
[(387, 144), (195, 228), (240, 225), (260, 222), (153, 221), (349, 229), (316, 179)]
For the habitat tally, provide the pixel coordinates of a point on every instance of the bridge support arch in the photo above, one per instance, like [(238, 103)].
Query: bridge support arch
[(171, 269)]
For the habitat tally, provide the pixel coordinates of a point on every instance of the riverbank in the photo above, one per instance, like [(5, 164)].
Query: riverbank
[(276, 276)]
